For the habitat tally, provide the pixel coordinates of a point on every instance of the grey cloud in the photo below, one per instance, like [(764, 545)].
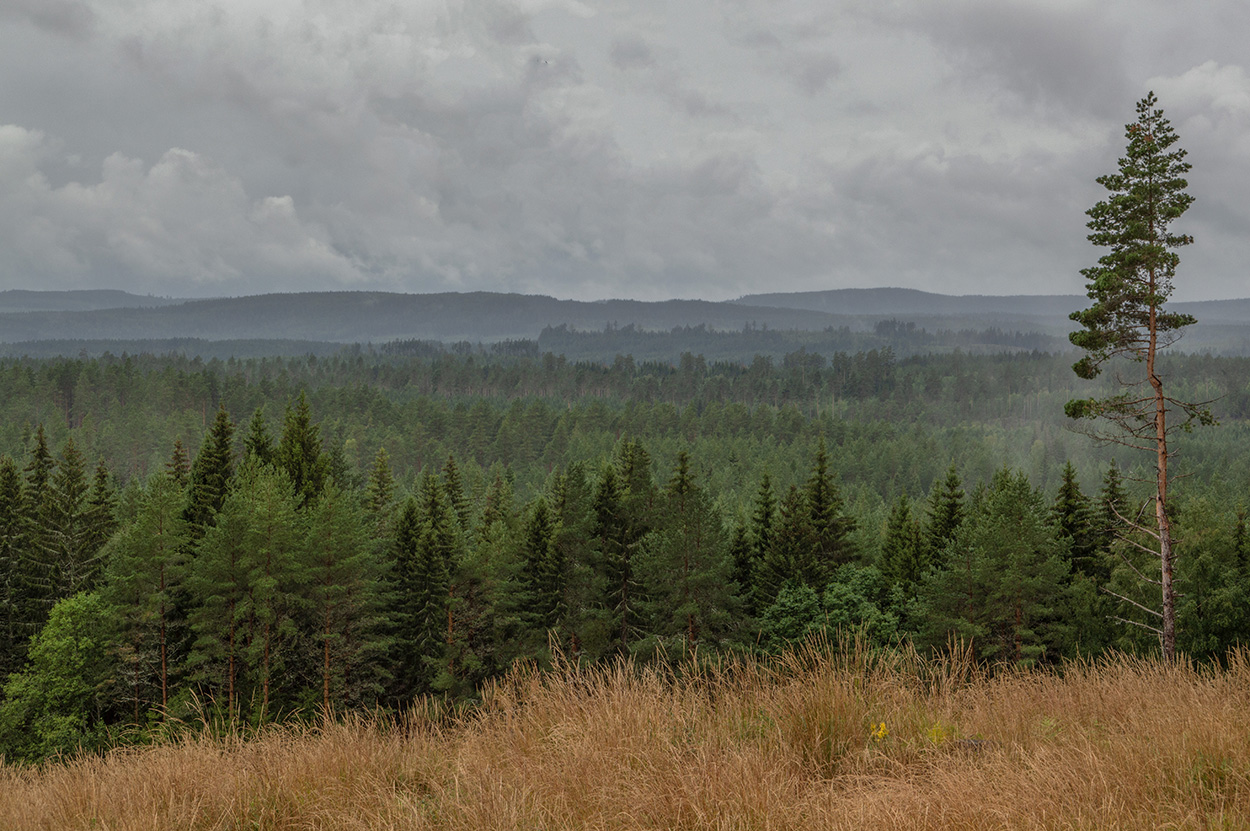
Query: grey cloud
[(814, 72), (631, 53), (71, 18), (181, 216), (1066, 57), (458, 145)]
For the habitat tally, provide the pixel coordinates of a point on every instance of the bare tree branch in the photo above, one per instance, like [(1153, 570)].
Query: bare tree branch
[(1134, 602)]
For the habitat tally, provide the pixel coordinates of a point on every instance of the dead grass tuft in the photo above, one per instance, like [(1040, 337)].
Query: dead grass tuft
[(823, 738)]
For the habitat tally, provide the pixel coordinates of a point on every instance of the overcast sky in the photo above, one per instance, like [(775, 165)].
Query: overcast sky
[(616, 148)]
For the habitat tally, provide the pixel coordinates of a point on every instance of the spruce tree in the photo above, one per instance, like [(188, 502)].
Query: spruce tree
[(686, 571), (247, 585), (380, 490), (70, 547), (179, 465), (453, 486), (1003, 588), (904, 554), (101, 512), (300, 454), (742, 556), (258, 443), (791, 558), (211, 475), (1110, 515), (37, 569), (830, 526), (1071, 515), (612, 539), (575, 543), (544, 570), (407, 587), (14, 605), (762, 533), (944, 514)]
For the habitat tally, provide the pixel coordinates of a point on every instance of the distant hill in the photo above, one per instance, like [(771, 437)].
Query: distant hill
[(351, 317), (22, 300), (285, 320), (909, 303)]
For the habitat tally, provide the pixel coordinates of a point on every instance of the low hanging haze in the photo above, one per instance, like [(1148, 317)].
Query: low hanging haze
[(617, 148)]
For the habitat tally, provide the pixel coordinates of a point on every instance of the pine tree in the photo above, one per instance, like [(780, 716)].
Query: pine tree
[(146, 564), (1129, 288), (346, 592)]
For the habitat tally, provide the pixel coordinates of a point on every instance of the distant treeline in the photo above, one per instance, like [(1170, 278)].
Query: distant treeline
[(902, 338), (893, 424)]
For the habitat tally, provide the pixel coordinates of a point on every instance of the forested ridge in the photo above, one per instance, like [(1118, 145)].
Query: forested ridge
[(275, 536)]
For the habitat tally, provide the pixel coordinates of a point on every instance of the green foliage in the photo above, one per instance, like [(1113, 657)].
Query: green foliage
[(1071, 513), (793, 616), (859, 600), (685, 568), (145, 565), (904, 552), (1133, 280), (1002, 587), (346, 602), (299, 453), (944, 513), (14, 602), (532, 524), (57, 704), (247, 584), (211, 474)]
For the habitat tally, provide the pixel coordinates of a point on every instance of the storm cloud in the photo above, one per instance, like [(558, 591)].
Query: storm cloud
[(626, 148)]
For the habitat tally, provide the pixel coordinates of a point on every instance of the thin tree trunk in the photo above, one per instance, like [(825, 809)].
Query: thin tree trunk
[(325, 668), (164, 653), (1161, 490)]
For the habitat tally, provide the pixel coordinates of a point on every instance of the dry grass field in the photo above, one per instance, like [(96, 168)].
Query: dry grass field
[(820, 739)]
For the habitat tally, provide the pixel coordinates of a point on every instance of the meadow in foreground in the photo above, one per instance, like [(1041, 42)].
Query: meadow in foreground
[(824, 737)]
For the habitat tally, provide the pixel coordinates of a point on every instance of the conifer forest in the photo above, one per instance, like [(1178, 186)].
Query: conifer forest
[(269, 539)]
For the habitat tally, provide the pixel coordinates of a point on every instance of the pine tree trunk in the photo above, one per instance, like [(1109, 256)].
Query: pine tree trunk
[(1168, 635)]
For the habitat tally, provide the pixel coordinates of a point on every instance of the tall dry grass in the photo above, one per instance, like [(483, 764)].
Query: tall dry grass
[(797, 743)]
